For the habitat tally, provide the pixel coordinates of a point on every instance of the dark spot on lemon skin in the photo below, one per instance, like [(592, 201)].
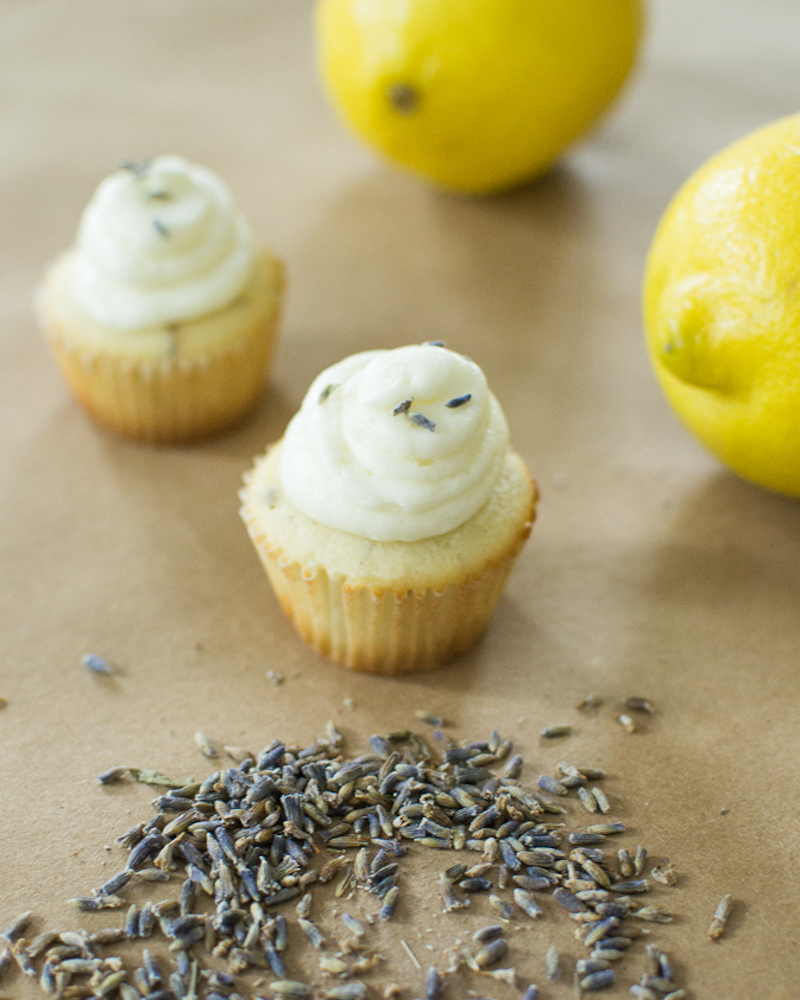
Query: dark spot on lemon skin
[(404, 98)]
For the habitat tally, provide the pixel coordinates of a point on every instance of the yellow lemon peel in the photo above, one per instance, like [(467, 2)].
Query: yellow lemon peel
[(722, 305), (477, 96)]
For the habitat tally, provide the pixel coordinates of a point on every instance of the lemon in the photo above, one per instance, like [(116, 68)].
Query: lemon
[(477, 95), (722, 305)]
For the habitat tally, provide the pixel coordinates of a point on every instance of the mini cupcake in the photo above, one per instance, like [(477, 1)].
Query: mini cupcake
[(163, 316), (390, 514)]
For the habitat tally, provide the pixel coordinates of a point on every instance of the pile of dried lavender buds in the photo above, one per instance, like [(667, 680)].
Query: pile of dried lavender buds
[(255, 836)]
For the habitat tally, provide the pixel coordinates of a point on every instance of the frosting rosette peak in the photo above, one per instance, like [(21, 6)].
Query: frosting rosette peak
[(159, 242), (395, 445)]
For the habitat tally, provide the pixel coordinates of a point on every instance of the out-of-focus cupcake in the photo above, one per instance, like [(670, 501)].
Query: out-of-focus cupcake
[(163, 316), (389, 516)]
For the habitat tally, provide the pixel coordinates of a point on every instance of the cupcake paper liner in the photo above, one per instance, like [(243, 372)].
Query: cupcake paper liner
[(383, 631)]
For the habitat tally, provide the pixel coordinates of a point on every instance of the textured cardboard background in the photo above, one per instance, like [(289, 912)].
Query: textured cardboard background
[(651, 569)]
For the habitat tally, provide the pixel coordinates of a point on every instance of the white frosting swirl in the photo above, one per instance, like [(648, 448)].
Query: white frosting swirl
[(158, 243), (360, 457)]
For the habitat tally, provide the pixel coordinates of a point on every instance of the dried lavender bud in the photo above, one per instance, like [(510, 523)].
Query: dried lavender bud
[(720, 919), (97, 665)]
